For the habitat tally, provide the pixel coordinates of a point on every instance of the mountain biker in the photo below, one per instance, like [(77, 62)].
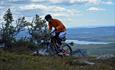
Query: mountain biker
[(59, 28)]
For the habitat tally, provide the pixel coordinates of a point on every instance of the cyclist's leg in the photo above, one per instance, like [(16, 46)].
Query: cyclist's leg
[(56, 42), (59, 41), (56, 37), (62, 37)]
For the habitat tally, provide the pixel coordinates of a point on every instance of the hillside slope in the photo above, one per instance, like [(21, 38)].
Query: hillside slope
[(13, 61)]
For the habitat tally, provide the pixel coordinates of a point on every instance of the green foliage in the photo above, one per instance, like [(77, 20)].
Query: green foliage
[(38, 29), (7, 28), (10, 30), (8, 17), (32, 46), (22, 42)]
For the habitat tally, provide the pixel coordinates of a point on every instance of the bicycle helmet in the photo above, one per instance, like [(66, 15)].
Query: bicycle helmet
[(48, 16)]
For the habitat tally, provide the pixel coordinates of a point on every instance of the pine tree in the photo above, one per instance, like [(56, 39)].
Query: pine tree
[(6, 37), (9, 31)]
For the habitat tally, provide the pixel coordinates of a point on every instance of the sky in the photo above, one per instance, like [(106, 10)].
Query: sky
[(73, 13)]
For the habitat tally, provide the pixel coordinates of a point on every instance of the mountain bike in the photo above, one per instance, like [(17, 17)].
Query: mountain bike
[(51, 47)]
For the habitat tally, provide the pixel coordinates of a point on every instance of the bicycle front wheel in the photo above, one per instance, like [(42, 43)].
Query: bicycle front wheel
[(67, 49)]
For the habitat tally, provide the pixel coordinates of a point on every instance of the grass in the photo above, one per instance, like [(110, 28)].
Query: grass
[(14, 61)]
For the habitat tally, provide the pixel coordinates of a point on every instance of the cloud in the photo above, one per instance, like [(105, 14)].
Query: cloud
[(36, 0), (42, 7), (94, 9), (108, 3), (100, 2), (69, 1), (95, 2), (75, 1), (67, 13), (27, 9), (32, 7), (55, 10), (1, 7), (56, 1)]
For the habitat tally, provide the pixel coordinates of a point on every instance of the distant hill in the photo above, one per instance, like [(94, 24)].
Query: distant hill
[(106, 34)]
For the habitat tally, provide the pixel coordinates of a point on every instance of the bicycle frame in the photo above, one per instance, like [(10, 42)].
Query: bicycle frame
[(52, 45)]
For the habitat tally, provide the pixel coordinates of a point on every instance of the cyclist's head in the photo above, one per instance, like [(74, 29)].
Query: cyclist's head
[(48, 17)]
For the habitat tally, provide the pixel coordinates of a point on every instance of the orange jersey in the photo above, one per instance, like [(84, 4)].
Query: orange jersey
[(57, 24)]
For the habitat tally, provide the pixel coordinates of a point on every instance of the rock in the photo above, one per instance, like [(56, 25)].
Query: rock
[(41, 52), (105, 56), (81, 62), (88, 62)]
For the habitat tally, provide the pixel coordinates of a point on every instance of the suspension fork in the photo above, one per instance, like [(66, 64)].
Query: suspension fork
[(54, 44)]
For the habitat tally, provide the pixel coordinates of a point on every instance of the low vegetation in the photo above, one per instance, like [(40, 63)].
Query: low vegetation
[(14, 61)]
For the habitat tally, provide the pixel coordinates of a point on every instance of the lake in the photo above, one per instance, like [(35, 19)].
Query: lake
[(87, 42)]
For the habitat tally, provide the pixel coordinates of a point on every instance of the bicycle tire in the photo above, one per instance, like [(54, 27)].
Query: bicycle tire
[(66, 47)]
